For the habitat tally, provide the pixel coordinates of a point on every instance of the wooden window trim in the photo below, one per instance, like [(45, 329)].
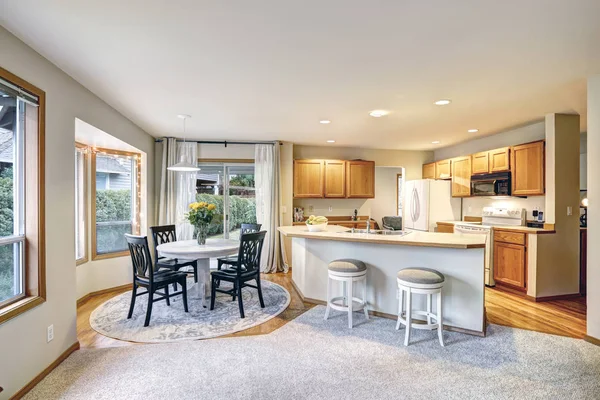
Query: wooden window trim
[(398, 176), (137, 221), (35, 238), (85, 148)]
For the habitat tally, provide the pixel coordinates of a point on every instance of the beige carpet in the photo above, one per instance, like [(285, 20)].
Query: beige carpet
[(310, 358)]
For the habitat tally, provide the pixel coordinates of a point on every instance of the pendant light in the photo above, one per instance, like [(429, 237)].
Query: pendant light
[(183, 166)]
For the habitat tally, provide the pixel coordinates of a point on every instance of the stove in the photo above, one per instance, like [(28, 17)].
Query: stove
[(491, 217)]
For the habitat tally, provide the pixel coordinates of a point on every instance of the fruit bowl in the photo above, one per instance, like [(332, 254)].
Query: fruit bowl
[(317, 228)]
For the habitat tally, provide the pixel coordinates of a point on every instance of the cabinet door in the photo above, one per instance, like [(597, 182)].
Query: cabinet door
[(480, 163), (308, 178), (461, 177), (527, 162), (429, 171), (499, 159), (445, 228), (510, 264), (360, 179), (443, 169), (335, 178)]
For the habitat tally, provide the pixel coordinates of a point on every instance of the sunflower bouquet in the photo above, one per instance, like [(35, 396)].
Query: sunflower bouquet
[(200, 215)]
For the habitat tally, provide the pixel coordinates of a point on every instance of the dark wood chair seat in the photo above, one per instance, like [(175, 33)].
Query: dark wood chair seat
[(246, 269), (147, 275)]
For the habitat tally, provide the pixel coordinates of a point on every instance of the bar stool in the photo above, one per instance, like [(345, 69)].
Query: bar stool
[(347, 271), (420, 281)]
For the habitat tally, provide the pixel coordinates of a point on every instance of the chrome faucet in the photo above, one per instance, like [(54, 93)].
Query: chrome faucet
[(369, 225)]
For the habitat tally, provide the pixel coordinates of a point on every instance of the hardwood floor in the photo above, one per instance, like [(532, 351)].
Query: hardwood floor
[(89, 338), (559, 317)]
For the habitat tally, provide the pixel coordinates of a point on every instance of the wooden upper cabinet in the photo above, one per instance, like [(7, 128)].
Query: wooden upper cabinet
[(461, 176), (443, 169), (335, 178), (499, 160), (360, 179), (429, 171), (528, 170), (480, 163), (308, 178)]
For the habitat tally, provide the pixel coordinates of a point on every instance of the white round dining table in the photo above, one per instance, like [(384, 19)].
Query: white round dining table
[(191, 250)]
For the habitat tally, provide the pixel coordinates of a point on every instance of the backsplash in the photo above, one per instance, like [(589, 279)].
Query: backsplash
[(473, 206), (339, 206)]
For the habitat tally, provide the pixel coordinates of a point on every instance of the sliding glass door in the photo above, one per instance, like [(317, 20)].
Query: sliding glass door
[(230, 186)]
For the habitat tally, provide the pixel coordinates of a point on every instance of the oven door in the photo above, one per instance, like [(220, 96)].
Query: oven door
[(484, 188)]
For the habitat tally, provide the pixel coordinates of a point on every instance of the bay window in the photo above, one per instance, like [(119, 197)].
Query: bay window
[(81, 151)]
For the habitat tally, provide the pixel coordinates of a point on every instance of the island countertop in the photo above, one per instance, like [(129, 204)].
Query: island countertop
[(414, 238)]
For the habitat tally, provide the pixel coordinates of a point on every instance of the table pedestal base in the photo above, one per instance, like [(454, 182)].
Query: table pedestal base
[(201, 290)]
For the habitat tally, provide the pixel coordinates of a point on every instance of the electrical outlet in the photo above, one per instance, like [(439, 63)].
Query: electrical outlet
[(50, 333), (311, 208), (569, 210), (330, 209), (283, 209)]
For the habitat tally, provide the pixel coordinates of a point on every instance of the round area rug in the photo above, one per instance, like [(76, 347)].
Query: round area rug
[(172, 324)]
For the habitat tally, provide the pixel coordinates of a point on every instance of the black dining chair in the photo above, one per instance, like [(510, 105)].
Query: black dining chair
[(166, 234), (232, 260), (246, 269), (146, 275)]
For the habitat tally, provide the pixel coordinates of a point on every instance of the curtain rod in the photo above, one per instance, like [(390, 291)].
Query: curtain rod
[(223, 142)]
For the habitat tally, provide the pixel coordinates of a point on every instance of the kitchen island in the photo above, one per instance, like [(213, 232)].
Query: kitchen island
[(460, 258)]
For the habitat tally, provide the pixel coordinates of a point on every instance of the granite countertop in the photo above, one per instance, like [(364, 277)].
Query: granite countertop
[(414, 238)]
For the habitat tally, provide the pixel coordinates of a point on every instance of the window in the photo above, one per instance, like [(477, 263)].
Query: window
[(115, 201), (399, 181), (22, 262), (80, 203)]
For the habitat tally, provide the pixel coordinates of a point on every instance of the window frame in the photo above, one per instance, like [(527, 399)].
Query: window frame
[(34, 244), (136, 220), (84, 151)]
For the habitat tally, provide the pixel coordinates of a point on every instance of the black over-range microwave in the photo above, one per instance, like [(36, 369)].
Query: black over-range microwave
[(497, 184)]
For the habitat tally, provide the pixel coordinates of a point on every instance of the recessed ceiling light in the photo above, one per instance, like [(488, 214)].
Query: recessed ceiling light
[(378, 113), (435, 142), (443, 102), (324, 121), (473, 130), (331, 141)]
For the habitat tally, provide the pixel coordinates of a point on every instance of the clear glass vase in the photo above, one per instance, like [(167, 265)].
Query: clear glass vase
[(201, 233)]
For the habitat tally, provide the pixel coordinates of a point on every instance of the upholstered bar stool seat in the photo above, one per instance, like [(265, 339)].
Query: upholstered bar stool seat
[(420, 281), (348, 271)]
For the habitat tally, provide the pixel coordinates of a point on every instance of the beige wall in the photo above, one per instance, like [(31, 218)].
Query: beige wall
[(593, 186), (23, 346), (558, 254)]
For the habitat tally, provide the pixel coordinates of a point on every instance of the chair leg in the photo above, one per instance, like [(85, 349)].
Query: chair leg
[(234, 295), (350, 303), (213, 292), (400, 307), (168, 295), (408, 316), (149, 310), (240, 302), (132, 305), (184, 294), (365, 308), (440, 321), (260, 296), (328, 298), (429, 309), (196, 272)]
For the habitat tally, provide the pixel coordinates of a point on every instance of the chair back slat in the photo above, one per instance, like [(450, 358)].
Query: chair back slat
[(162, 234), (250, 228), (140, 256), (250, 251)]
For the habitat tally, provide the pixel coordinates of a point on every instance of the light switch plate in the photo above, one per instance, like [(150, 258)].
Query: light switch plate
[(311, 208), (50, 333), (330, 209), (569, 210)]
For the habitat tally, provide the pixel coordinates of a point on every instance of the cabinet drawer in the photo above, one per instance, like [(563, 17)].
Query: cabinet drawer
[(445, 228), (509, 237)]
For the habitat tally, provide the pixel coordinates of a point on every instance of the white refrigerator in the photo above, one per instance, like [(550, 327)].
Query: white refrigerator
[(426, 202)]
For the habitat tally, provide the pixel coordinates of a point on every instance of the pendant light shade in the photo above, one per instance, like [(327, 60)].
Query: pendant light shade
[(183, 166)]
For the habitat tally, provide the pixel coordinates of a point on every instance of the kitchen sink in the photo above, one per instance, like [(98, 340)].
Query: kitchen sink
[(378, 232)]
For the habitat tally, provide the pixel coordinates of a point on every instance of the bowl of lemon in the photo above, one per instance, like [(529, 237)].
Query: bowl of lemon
[(316, 224)]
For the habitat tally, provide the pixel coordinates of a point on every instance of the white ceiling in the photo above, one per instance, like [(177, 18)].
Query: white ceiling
[(271, 69)]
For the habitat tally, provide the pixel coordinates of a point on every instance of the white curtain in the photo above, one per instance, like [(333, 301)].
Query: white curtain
[(267, 182), (186, 189), (167, 214), (177, 189)]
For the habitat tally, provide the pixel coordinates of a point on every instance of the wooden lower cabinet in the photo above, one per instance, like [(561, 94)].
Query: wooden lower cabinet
[(510, 265), (445, 228)]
